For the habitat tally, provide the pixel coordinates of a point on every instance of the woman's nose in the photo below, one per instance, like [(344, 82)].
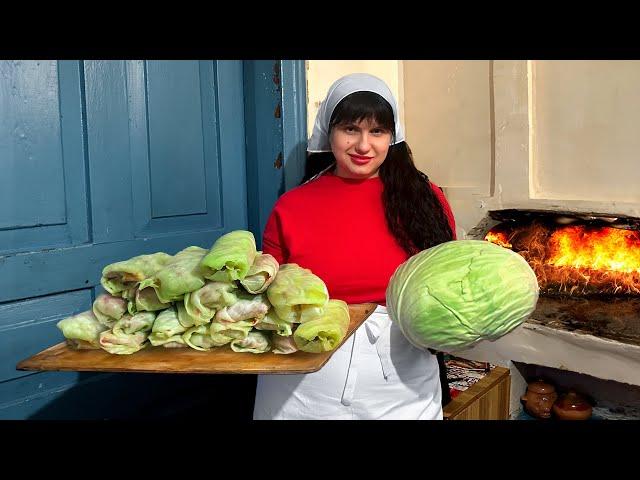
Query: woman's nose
[(363, 145)]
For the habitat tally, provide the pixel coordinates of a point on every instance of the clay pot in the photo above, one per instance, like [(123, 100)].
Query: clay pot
[(539, 399), (572, 406)]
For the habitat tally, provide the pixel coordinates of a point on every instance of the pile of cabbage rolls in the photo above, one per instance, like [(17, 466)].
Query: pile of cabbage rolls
[(231, 294)]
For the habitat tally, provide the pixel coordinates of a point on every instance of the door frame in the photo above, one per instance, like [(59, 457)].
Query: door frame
[(275, 95)]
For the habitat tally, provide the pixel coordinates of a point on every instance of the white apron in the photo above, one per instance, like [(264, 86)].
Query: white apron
[(376, 374)]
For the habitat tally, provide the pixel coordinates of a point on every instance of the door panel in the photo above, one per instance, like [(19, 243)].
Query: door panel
[(175, 151), (29, 326), (175, 138), (42, 188)]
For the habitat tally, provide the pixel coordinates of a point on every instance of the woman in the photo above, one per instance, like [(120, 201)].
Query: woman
[(362, 210)]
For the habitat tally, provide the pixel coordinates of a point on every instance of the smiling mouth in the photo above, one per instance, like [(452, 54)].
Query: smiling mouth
[(360, 160)]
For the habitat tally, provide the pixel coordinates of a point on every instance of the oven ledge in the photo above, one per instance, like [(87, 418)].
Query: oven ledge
[(536, 344)]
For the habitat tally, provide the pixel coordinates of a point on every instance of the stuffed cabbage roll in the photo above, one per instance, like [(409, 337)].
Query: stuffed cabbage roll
[(274, 323), (175, 343), (204, 302), (254, 342), (179, 276), (223, 333), (82, 331), (146, 300), (129, 334), (230, 257), (261, 274), (109, 309), (129, 293), (248, 307), (199, 338), (326, 331), (283, 345), (132, 324), (122, 276), (217, 333), (297, 294), (166, 328), (186, 320), (122, 344)]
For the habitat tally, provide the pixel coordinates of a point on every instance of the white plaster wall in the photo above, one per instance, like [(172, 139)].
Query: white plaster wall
[(448, 120), (527, 134), (585, 130)]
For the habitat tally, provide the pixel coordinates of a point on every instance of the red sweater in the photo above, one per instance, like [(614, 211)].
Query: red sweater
[(336, 228)]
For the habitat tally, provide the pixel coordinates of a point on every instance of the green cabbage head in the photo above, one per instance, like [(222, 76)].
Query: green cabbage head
[(455, 294)]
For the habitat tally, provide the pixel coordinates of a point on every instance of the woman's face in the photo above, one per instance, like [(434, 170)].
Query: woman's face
[(359, 148)]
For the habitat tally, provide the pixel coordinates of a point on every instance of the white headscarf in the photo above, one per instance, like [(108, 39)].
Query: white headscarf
[(355, 82)]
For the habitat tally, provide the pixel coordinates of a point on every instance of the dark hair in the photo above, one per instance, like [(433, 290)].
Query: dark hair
[(414, 214)]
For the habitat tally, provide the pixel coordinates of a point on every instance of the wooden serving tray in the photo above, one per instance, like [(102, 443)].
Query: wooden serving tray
[(188, 360)]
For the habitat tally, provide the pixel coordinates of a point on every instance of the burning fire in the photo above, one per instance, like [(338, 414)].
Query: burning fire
[(577, 259), (607, 248), (499, 238)]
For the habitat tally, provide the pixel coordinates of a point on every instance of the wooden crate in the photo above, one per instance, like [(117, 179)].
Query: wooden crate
[(487, 399)]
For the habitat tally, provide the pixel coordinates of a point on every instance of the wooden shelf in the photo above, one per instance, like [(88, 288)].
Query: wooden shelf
[(487, 399)]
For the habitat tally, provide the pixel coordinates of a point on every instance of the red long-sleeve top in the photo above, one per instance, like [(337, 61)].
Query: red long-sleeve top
[(336, 227)]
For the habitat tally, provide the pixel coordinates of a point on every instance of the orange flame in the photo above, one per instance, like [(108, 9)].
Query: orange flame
[(577, 259), (499, 238), (606, 248)]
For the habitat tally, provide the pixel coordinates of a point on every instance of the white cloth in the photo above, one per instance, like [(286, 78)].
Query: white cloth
[(375, 375), (355, 82)]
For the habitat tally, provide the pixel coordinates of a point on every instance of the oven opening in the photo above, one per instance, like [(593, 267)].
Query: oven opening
[(587, 266)]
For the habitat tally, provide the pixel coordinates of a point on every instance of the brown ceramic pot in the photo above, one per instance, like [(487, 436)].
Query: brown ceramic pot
[(572, 406), (539, 399)]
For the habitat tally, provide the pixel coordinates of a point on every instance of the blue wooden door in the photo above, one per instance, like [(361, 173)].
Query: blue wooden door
[(101, 161)]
